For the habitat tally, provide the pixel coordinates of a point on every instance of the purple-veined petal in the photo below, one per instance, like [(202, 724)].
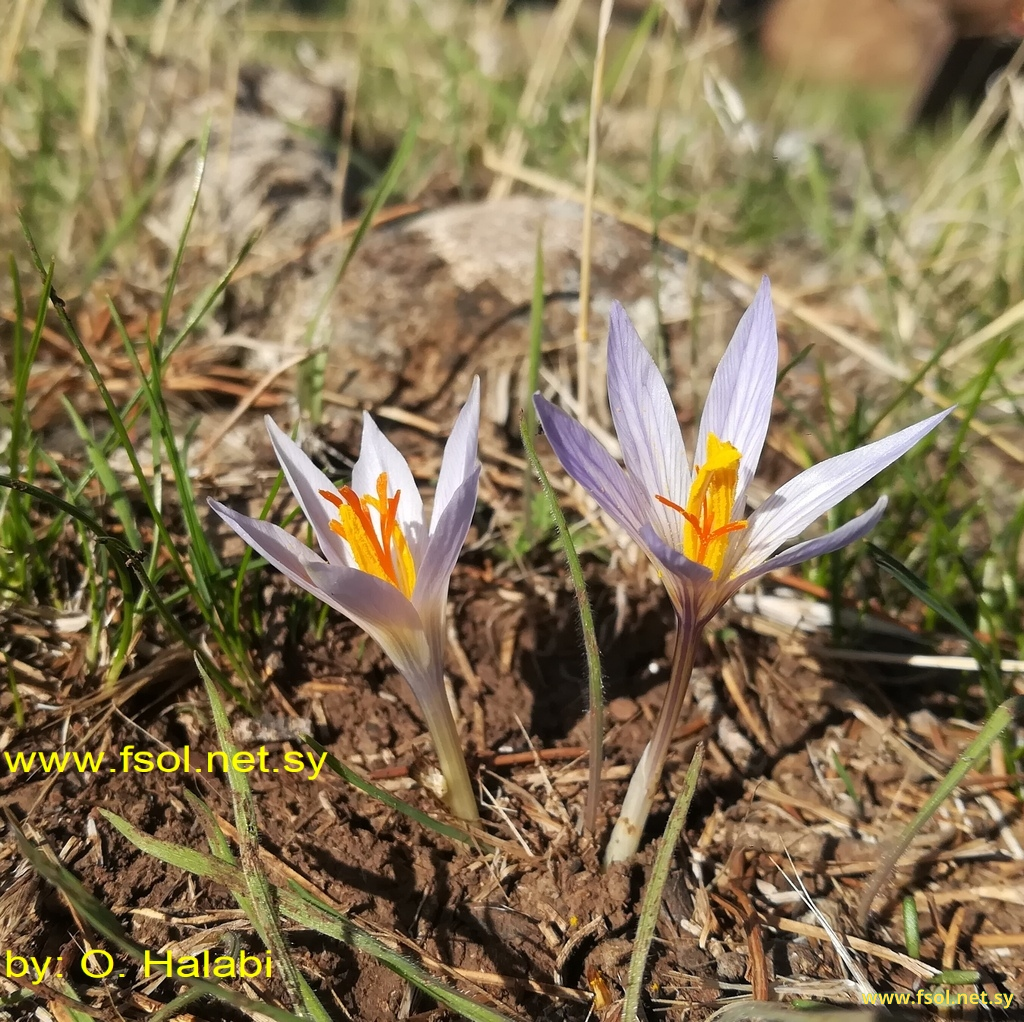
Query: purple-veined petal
[(739, 402), (430, 597), (378, 454), (306, 481), (459, 458), (379, 609), (290, 556), (583, 457), (646, 423), (445, 543), (794, 505), (846, 534)]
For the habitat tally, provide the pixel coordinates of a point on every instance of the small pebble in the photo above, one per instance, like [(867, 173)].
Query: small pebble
[(621, 709)]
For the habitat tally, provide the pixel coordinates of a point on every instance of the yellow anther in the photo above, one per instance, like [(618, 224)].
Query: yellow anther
[(384, 554), (708, 511)]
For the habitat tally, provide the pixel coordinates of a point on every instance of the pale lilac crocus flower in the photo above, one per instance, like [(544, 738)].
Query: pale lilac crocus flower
[(383, 565), (692, 522)]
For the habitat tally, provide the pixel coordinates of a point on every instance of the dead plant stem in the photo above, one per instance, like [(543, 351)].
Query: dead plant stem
[(589, 185)]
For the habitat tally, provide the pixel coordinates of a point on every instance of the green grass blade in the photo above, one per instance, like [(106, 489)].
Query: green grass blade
[(206, 301), (173, 1008), (926, 595), (310, 913), (104, 922), (126, 560), (987, 655), (200, 554), (220, 847), (23, 557), (200, 864), (260, 901), (105, 474), (179, 255), (1005, 714), (312, 372), (391, 801), (911, 927), (130, 215), (651, 906), (116, 419), (590, 644), (955, 978), (24, 359), (331, 922)]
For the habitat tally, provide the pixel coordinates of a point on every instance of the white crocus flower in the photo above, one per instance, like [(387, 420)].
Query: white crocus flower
[(382, 565), (692, 521)]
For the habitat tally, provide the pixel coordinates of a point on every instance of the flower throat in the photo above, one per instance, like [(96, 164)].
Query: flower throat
[(382, 552), (708, 511)]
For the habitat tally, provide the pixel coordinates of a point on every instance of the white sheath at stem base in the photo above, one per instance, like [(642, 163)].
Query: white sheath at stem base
[(441, 725), (643, 787)]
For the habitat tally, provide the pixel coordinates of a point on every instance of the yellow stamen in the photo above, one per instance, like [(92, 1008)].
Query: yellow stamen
[(708, 511), (385, 555)]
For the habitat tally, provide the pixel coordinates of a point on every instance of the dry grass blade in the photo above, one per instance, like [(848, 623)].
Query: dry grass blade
[(542, 74), (250, 398), (784, 301), (842, 953), (1000, 325), (12, 44), (749, 1010), (589, 186), (912, 965), (996, 724)]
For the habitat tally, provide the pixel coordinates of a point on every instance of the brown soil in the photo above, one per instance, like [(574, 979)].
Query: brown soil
[(535, 928)]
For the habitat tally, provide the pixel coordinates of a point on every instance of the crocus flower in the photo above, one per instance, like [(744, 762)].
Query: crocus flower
[(382, 565), (692, 521)]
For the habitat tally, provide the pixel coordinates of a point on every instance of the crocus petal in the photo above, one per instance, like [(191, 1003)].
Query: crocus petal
[(445, 543), (306, 481), (379, 609), (646, 423), (739, 402), (430, 596), (378, 454), (290, 556), (794, 505), (672, 560), (460, 458), (583, 457), (846, 534)]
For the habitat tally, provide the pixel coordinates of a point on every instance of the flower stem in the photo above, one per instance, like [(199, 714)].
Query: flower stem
[(643, 787), (441, 725)]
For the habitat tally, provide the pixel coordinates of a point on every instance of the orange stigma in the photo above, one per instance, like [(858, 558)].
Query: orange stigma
[(384, 553), (708, 512)]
